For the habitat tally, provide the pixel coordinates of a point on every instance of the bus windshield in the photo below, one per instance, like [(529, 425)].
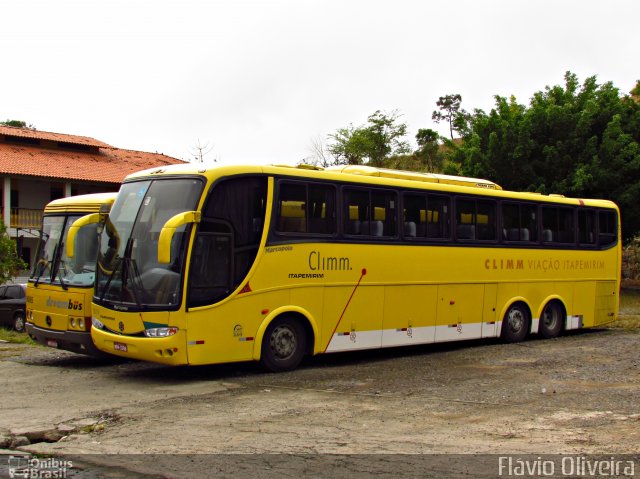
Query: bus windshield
[(52, 264), (129, 273)]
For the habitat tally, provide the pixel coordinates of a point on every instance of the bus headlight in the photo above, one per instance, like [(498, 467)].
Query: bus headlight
[(73, 323), (160, 332), (97, 323)]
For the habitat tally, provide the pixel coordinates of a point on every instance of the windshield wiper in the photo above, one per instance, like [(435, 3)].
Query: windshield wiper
[(56, 264), (42, 264), (113, 273), (130, 276), (131, 272)]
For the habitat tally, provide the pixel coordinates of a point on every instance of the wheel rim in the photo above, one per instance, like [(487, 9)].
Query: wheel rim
[(515, 320), (550, 318), (19, 323), (283, 342)]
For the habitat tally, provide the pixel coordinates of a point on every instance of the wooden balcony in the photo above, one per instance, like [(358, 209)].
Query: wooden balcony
[(25, 218)]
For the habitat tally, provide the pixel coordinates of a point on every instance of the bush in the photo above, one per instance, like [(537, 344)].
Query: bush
[(631, 260)]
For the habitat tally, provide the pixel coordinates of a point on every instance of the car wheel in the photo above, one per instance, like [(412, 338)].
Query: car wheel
[(18, 322)]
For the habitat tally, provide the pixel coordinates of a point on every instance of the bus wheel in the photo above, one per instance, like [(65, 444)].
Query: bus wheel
[(18, 322), (515, 325), (283, 345), (551, 320)]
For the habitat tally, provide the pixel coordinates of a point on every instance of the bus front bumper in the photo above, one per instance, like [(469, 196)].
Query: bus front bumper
[(170, 350), (74, 341)]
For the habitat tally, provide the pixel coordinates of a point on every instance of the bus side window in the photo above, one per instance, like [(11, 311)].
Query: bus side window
[(475, 219), (321, 209), (306, 208), (384, 213), (356, 211), (566, 232), (370, 212), (437, 217), (558, 225), (586, 227), (607, 228), (292, 217), (414, 215), (519, 222)]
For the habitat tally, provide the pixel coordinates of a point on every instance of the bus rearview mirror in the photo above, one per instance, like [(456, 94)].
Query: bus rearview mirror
[(75, 227), (169, 229)]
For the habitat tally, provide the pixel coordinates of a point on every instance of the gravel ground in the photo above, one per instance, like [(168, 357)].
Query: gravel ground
[(412, 411)]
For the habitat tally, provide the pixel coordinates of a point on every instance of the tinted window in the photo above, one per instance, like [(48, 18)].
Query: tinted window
[(586, 227), (607, 228), (306, 208), (15, 292), (475, 219), (426, 216), (519, 222), (370, 212), (557, 225)]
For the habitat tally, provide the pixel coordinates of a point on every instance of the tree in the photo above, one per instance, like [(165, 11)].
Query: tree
[(371, 144), (320, 155), (18, 124), (449, 106), (10, 262), (577, 140), (199, 151), (429, 150)]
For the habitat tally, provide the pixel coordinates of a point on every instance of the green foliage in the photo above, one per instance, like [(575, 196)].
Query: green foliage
[(578, 140), (10, 262), (429, 152), (450, 112), (371, 144), (18, 124)]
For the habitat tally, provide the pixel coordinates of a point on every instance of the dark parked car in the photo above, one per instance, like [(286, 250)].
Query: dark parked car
[(12, 305)]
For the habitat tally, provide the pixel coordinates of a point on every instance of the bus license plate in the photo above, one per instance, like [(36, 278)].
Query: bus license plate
[(51, 343), (120, 347)]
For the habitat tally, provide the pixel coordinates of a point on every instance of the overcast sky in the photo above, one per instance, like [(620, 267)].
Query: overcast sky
[(259, 80)]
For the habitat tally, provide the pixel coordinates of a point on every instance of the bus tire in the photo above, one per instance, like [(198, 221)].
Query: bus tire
[(516, 323), (283, 345), (551, 320), (18, 322)]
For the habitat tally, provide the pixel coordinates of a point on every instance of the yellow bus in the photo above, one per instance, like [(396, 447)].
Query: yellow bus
[(60, 288), (271, 263)]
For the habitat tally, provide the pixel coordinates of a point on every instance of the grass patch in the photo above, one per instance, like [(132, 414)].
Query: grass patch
[(12, 336)]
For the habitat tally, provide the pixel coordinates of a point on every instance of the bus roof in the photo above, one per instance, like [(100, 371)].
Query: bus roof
[(415, 176), (369, 175), (80, 203)]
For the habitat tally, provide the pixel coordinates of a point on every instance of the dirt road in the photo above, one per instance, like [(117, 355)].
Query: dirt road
[(577, 394)]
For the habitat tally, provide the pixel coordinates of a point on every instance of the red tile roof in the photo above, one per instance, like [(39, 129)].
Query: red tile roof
[(56, 137), (106, 166)]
